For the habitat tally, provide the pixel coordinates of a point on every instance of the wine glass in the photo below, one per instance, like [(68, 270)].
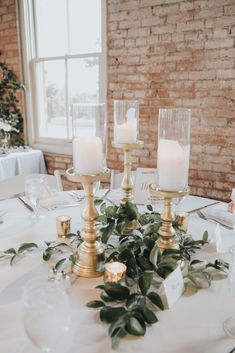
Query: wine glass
[(229, 324), (34, 189), (46, 315)]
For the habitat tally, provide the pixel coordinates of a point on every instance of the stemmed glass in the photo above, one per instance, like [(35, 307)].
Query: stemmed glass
[(34, 189), (46, 315), (229, 324)]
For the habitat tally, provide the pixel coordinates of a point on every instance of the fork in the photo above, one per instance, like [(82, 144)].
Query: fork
[(76, 195), (201, 215)]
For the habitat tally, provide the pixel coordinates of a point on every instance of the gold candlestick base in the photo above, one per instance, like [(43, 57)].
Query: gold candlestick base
[(167, 238), (127, 182), (91, 252)]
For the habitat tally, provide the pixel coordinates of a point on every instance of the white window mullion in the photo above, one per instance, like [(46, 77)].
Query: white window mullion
[(67, 96)]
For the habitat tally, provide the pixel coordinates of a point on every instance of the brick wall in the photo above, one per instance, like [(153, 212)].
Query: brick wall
[(171, 53), (9, 44), (177, 53)]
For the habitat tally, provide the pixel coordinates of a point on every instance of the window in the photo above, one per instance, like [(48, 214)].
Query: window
[(64, 65)]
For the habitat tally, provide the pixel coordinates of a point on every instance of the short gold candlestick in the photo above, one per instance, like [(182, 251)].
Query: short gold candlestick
[(167, 238), (127, 181), (91, 252)]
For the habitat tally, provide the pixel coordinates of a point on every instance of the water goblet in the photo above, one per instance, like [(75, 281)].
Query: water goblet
[(229, 324), (34, 189), (46, 315)]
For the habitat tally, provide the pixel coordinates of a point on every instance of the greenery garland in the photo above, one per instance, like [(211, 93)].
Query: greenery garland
[(130, 306)]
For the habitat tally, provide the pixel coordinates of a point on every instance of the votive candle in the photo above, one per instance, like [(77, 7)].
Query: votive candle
[(114, 271)]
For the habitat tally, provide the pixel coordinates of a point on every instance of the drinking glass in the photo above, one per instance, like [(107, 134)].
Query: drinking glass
[(46, 315), (34, 189), (229, 324)]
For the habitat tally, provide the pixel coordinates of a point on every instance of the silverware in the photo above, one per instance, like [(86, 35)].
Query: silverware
[(201, 208), (201, 215), (25, 203), (74, 194)]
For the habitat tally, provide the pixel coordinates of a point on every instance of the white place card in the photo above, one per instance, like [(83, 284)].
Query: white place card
[(215, 242), (172, 288), (143, 178)]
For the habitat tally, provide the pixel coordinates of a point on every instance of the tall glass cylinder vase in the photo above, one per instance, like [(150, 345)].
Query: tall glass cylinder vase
[(89, 142), (173, 149), (126, 121)]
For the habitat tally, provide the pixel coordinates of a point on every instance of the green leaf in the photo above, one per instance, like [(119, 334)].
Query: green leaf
[(59, 263), (10, 251), (125, 255), (109, 314), (97, 201), (148, 314), (95, 304), (150, 207), (27, 246), (131, 211), (145, 281), (153, 257), (119, 333), (135, 328), (116, 291), (156, 299), (205, 237), (107, 232), (13, 259), (47, 254)]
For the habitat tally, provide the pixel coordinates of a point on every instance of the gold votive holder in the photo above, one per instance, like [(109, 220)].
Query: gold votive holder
[(181, 220), (114, 271), (63, 226)]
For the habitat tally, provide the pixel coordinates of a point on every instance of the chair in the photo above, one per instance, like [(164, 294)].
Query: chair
[(58, 174), (16, 185)]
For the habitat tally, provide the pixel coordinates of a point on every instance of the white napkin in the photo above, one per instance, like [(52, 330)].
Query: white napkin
[(57, 198), (221, 216)]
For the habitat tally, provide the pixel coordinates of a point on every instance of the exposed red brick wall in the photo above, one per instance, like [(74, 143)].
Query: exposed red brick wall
[(171, 53), (177, 53), (9, 44)]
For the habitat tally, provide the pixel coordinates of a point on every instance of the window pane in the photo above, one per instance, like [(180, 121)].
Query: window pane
[(52, 108), (83, 82), (51, 27), (85, 26)]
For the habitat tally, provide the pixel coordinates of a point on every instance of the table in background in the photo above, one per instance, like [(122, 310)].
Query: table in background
[(22, 163), (192, 325)]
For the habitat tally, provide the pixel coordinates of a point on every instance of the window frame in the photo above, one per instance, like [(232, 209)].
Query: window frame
[(29, 61)]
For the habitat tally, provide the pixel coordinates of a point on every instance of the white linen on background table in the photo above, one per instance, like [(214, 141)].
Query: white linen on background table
[(23, 163), (192, 325)]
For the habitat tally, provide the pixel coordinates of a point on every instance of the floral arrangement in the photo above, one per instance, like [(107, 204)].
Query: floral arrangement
[(11, 120)]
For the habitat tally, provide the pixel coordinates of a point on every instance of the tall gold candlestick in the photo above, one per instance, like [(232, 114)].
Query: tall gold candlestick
[(167, 238), (127, 181), (91, 252)]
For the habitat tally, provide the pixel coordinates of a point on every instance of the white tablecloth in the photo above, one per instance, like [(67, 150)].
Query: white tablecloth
[(192, 325), (23, 163)]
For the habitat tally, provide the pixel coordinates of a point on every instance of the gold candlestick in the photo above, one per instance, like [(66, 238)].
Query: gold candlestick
[(91, 252), (167, 238), (127, 181)]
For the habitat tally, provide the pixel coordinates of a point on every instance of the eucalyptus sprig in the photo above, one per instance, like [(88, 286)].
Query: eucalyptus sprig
[(16, 254), (132, 311)]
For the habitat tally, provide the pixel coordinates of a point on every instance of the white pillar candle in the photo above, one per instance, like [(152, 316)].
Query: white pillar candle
[(172, 164), (126, 132), (87, 156)]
